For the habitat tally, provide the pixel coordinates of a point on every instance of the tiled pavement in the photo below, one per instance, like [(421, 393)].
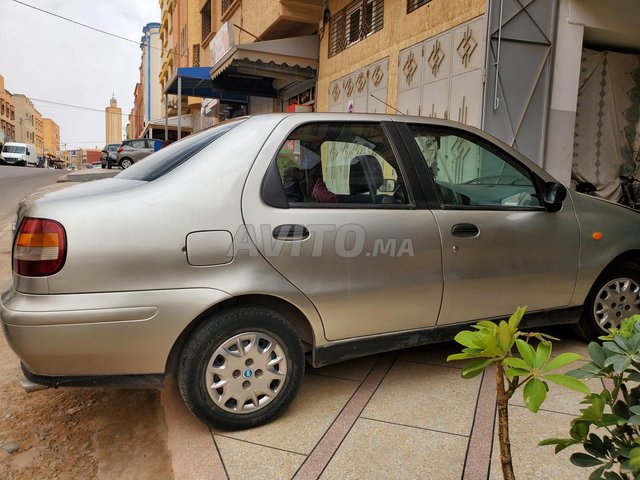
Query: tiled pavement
[(404, 414)]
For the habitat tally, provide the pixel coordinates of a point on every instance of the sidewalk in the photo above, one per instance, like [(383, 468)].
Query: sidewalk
[(404, 414)]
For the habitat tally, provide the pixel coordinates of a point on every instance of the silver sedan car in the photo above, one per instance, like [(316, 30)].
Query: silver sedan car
[(239, 252)]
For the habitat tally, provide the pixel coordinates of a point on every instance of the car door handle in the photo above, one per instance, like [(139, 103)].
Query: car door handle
[(465, 230), (290, 232)]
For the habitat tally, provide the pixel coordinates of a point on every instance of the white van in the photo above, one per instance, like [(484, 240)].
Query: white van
[(19, 154)]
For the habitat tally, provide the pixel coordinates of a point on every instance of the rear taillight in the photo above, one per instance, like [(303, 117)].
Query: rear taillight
[(119, 149), (39, 248)]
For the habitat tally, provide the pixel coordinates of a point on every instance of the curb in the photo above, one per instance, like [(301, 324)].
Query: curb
[(189, 441), (88, 175)]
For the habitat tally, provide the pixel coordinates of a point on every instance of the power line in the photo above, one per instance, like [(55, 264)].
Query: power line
[(104, 32), (91, 109)]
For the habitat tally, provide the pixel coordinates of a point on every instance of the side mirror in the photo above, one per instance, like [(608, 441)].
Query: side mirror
[(554, 195), (28, 152)]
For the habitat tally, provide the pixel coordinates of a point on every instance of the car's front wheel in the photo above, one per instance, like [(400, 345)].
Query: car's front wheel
[(241, 368), (126, 163), (614, 297)]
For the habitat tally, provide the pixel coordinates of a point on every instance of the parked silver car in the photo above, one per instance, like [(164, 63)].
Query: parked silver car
[(235, 254), (133, 150)]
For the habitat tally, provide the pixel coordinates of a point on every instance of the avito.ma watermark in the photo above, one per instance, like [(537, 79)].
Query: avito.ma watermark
[(347, 241)]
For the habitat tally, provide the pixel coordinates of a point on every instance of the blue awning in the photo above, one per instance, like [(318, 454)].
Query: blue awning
[(196, 82)]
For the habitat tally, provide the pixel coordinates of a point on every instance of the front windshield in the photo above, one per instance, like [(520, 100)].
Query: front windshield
[(13, 149), (168, 158)]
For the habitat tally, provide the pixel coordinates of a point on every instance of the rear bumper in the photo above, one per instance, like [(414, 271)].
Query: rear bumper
[(100, 334)]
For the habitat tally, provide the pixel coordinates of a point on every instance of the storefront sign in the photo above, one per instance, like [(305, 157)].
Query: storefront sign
[(222, 42)]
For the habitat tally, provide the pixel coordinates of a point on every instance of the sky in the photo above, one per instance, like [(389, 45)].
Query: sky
[(48, 58)]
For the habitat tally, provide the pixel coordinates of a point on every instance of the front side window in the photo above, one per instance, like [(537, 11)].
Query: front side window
[(340, 164), (471, 173)]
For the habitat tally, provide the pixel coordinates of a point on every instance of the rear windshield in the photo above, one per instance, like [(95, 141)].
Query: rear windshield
[(168, 158), (13, 149), (113, 148)]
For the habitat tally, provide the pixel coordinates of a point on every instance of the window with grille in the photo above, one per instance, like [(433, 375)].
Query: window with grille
[(205, 15), (356, 21), (196, 55), (415, 4), (227, 4)]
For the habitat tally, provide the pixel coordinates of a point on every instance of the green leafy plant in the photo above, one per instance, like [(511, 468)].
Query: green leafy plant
[(528, 365), (609, 426)]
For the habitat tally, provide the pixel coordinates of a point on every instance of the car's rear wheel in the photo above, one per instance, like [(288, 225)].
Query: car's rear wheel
[(614, 297), (126, 163), (241, 368)]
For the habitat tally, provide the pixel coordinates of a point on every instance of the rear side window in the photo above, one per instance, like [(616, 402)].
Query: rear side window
[(163, 161), (340, 165), (137, 144)]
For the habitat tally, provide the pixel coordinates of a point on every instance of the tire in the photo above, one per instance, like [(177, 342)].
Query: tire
[(108, 164), (614, 296), (208, 358), (126, 163)]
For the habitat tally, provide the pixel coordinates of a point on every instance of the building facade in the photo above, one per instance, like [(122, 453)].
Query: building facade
[(39, 134), (493, 65), (7, 114), (269, 54), (51, 136), (25, 119), (150, 74), (137, 114), (113, 122), (179, 37)]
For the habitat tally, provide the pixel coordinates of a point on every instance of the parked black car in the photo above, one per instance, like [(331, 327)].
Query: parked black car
[(108, 155)]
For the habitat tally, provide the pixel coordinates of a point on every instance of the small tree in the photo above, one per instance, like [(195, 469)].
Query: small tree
[(613, 413), (490, 343)]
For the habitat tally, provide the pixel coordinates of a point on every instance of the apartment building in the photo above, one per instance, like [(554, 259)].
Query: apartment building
[(26, 125), (51, 135), (7, 114), (150, 62), (39, 135), (225, 58)]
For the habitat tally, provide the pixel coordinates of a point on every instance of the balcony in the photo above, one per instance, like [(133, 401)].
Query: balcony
[(284, 18)]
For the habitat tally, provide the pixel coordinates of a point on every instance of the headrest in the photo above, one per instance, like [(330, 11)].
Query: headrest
[(365, 175)]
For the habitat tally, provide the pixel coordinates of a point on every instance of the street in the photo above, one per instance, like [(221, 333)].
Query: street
[(18, 182)]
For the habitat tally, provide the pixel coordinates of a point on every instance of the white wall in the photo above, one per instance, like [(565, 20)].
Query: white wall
[(610, 23)]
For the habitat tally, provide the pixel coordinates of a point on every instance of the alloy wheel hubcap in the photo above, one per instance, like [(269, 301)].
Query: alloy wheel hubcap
[(246, 372), (617, 300)]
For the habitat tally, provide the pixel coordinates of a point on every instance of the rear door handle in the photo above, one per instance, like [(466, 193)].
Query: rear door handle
[(290, 232), (465, 230)]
